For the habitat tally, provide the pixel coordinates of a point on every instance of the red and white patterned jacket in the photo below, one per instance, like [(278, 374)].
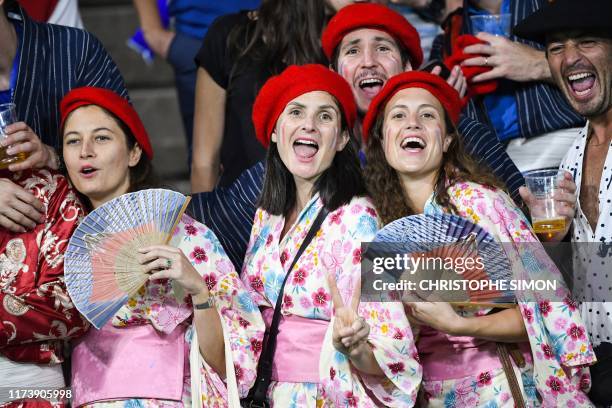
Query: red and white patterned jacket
[(36, 314)]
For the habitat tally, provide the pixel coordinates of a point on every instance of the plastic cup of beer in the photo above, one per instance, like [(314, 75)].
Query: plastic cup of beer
[(496, 24), (7, 117), (545, 218)]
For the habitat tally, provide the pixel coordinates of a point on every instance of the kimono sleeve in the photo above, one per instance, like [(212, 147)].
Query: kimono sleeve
[(390, 336), (243, 325), (557, 335), (45, 311)]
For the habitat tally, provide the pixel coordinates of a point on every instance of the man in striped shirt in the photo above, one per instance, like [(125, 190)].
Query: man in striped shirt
[(39, 63)]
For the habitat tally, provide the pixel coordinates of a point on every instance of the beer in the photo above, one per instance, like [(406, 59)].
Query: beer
[(549, 226), (5, 159), (7, 117)]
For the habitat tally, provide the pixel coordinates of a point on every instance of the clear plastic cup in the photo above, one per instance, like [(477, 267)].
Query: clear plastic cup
[(544, 214), (7, 117), (496, 24)]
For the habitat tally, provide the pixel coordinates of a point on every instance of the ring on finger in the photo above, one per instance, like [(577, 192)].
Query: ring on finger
[(486, 61), (168, 263)]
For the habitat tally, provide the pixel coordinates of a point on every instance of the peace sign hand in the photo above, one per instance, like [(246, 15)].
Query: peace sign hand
[(350, 331)]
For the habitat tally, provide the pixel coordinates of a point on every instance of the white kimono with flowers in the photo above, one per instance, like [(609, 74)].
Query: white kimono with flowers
[(335, 249)]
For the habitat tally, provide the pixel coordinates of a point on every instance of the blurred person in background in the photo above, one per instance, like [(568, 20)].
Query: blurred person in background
[(60, 12), (179, 44), (240, 52)]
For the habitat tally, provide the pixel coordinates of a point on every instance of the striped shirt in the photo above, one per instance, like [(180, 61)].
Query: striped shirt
[(229, 211), (541, 107), (53, 60)]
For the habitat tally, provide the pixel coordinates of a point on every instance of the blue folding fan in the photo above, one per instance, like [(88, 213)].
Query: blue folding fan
[(447, 236), (100, 266)]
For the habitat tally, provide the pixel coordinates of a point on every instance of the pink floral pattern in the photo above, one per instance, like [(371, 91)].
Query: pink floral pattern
[(159, 305), (333, 250), (559, 373)]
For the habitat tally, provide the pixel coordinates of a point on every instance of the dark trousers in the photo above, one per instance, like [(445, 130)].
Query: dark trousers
[(181, 56), (601, 376)]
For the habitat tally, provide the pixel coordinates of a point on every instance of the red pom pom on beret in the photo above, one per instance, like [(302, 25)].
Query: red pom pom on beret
[(113, 103), (377, 17), (446, 94), (294, 81)]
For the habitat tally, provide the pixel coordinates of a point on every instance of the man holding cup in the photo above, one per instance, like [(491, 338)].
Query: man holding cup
[(39, 63), (578, 39), (526, 111)]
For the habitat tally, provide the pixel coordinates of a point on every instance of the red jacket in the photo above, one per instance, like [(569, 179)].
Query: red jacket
[(36, 314)]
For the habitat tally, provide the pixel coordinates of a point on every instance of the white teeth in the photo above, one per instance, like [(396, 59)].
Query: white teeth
[(307, 142), (576, 77), (412, 139), (370, 81)]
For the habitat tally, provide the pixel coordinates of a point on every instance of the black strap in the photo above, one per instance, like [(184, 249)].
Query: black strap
[(258, 394)]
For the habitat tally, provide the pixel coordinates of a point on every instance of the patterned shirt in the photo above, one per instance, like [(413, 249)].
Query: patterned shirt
[(36, 314), (594, 260)]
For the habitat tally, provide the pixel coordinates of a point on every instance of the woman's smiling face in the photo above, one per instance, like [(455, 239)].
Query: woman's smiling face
[(308, 135), (414, 133)]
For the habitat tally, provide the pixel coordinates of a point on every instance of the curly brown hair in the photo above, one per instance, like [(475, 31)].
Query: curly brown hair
[(384, 184)]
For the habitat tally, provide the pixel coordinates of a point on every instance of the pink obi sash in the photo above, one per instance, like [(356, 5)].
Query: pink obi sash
[(298, 348), (446, 357), (131, 362)]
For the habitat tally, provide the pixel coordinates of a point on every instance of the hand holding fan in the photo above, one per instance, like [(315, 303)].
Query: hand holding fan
[(451, 240), (100, 265)]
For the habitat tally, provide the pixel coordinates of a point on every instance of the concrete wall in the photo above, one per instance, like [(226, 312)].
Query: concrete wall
[(151, 87)]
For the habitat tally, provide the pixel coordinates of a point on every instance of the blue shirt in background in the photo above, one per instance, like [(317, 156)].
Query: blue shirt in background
[(6, 96), (501, 105), (193, 17)]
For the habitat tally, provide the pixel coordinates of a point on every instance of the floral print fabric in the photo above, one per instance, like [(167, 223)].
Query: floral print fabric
[(557, 336), (165, 306), (335, 249)]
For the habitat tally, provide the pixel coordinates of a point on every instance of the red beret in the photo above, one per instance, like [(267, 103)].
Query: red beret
[(294, 81), (446, 94), (113, 103), (377, 17)]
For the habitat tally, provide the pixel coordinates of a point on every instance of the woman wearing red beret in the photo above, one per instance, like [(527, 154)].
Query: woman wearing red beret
[(412, 147), (160, 348), (331, 350)]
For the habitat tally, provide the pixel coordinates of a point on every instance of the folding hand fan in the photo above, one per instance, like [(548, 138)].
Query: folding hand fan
[(449, 238), (100, 266)]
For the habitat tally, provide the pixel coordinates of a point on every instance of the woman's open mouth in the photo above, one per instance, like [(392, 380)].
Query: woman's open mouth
[(305, 148)]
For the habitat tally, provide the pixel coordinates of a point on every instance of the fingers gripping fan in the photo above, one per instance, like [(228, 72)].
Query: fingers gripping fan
[(439, 249), (100, 265)]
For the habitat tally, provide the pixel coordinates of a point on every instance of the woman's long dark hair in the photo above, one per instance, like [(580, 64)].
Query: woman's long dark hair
[(286, 32), (384, 183), (141, 175), (340, 183)]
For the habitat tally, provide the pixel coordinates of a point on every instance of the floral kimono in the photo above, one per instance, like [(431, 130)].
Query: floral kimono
[(560, 350), (324, 376), (167, 312)]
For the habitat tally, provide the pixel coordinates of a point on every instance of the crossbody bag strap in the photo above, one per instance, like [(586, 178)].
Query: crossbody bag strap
[(264, 368), (515, 388)]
